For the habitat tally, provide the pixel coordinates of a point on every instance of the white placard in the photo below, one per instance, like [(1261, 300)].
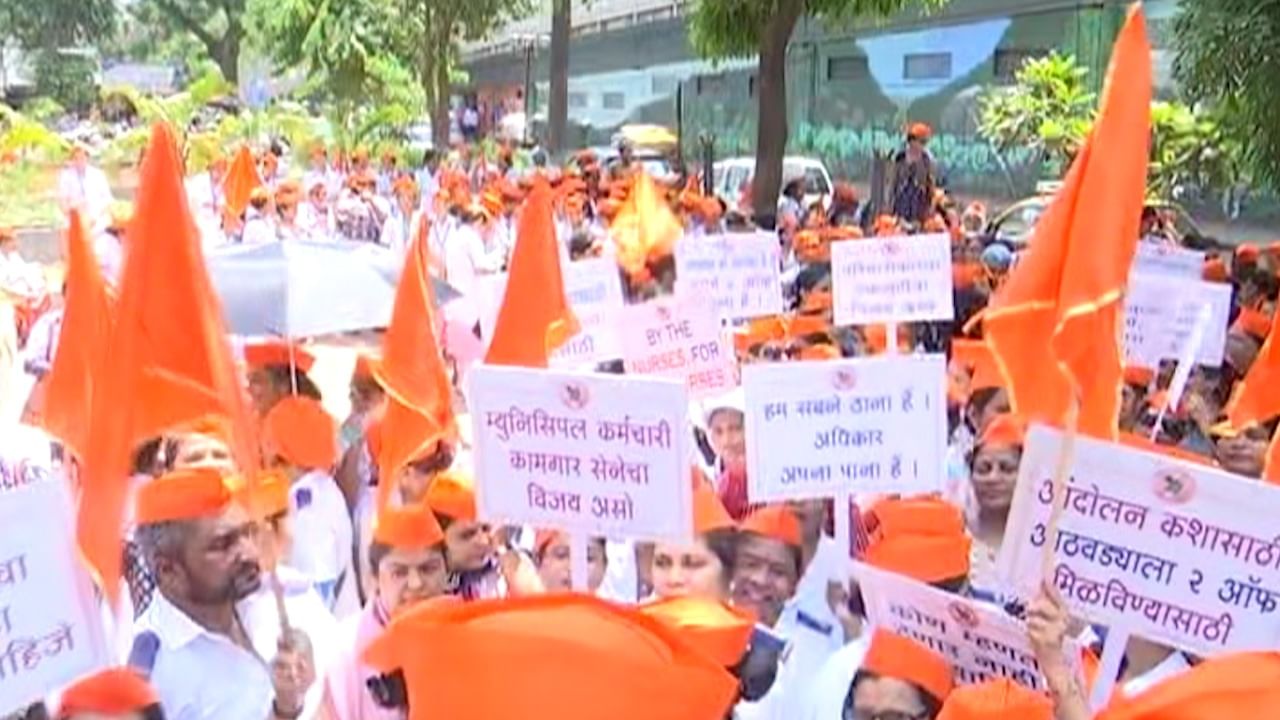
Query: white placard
[(679, 338), (50, 628), (892, 279), (1161, 313), (1169, 261), (739, 272), (820, 429), (981, 641), (1177, 552), (591, 453), (594, 291)]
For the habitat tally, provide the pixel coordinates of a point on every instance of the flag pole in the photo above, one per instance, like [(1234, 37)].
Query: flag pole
[(1066, 455)]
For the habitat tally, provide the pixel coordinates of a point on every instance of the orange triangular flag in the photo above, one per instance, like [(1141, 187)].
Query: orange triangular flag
[(535, 317), (645, 228), (1257, 397), (419, 409), (169, 361), (82, 344), (1054, 329), (241, 180)]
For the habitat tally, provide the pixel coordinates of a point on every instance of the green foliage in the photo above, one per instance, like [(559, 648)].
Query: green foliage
[(1228, 57), (217, 25), (177, 110), (735, 28), (66, 79), (23, 136), (53, 24), (1189, 150), (1049, 109), (43, 109)]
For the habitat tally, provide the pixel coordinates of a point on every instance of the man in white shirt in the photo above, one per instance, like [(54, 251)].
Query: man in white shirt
[(205, 639), (85, 188), (315, 217), (401, 225)]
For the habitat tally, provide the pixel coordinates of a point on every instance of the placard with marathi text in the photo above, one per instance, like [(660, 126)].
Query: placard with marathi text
[(1168, 260), (591, 453), (1175, 551), (892, 280), (819, 429), (1161, 312), (739, 272)]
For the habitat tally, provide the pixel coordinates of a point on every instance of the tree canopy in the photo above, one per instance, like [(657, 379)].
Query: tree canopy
[(1228, 56), (218, 25)]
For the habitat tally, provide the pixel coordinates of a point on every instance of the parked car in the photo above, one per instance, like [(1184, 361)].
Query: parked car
[(729, 175), (1015, 224)]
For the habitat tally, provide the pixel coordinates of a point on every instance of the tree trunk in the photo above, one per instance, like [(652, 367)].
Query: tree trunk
[(558, 102), (227, 55), (771, 125), (440, 105)]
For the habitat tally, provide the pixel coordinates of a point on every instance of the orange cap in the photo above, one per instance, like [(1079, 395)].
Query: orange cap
[(1236, 685), (902, 658), (298, 429), (276, 352), (115, 691), (721, 631), (1139, 376), (1252, 322), (407, 527), (609, 661), (452, 494), (267, 497), (708, 511), (405, 184), (1247, 253), (920, 131), (925, 558), (803, 326), (1003, 430), (183, 495), (924, 515), (820, 352), (544, 538), (1000, 699), (1214, 270), (776, 522)]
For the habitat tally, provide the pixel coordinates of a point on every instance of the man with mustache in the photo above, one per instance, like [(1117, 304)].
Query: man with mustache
[(213, 640)]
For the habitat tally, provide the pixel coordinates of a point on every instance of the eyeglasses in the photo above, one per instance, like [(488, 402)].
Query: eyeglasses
[(851, 714)]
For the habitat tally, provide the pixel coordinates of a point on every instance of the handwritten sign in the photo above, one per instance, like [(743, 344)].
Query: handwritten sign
[(1180, 553), (679, 338), (594, 292), (50, 630), (739, 272), (1161, 313), (1169, 261), (980, 640), (597, 454), (892, 279), (818, 429)]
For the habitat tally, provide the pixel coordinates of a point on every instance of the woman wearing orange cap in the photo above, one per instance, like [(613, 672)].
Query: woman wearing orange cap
[(287, 226), (899, 679), (551, 554), (469, 543), (1243, 451), (113, 694), (702, 568), (301, 440), (993, 474), (408, 565), (360, 212), (278, 370)]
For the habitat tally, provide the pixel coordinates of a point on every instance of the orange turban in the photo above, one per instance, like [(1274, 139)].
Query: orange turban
[(115, 691), (721, 631), (184, 494), (776, 522), (1139, 376), (1236, 685), (453, 495), (1003, 430), (902, 658), (407, 527), (298, 429), (1000, 699), (275, 352)]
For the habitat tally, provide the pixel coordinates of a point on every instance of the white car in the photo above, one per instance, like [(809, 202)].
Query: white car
[(730, 174)]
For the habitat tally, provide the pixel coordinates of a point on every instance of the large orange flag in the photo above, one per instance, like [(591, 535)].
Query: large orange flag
[(1054, 328), (419, 409), (535, 317), (169, 360), (645, 228), (1257, 397), (82, 344), (241, 180)]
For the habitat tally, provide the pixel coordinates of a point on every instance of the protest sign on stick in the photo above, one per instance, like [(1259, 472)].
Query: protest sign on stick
[(980, 640), (883, 280), (50, 628), (826, 429), (594, 291), (1168, 260), (679, 338), (1174, 551), (1161, 314), (738, 272), (594, 455)]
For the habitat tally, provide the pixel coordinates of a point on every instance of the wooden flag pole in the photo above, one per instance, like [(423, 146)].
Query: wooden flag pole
[(1066, 455)]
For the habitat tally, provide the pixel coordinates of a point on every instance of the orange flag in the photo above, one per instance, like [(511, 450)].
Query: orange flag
[(169, 360), (82, 344), (241, 180), (1054, 328), (1257, 397), (535, 317), (645, 228), (419, 409)]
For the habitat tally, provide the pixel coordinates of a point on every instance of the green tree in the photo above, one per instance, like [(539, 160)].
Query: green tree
[(49, 25), (1049, 108), (217, 24), (741, 28), (558, 87), (1228, 57), (1189, 152)]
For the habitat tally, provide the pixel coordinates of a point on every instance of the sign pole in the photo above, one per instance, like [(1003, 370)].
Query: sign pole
[(578, 543)]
